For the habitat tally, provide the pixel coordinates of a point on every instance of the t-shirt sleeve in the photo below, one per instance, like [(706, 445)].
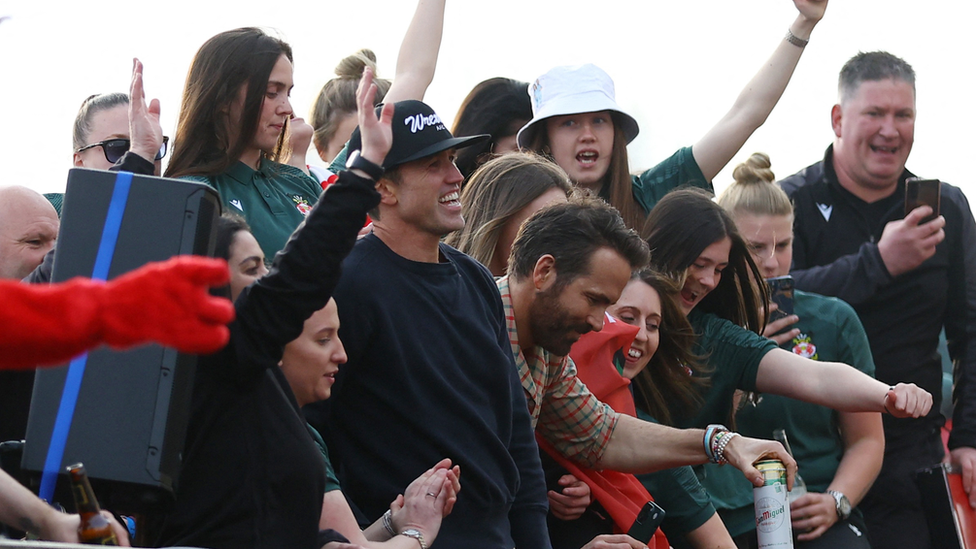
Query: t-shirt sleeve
[(732, 351), (331, 482), (573, 419), (271, 312), (680, 169)]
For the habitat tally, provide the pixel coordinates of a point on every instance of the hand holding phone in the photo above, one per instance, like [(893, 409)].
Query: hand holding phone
[(647, 522), (923, 192), (781, 293)]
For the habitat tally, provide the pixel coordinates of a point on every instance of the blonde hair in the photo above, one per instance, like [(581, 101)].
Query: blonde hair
[(753, 190), (497, 191), (337, 98)]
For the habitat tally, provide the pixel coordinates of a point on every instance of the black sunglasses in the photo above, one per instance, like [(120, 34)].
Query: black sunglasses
[(115, 148)]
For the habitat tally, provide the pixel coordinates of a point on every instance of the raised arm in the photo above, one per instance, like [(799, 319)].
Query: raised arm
[(145, 132), (713, 151), (418, 53), (271, 312)]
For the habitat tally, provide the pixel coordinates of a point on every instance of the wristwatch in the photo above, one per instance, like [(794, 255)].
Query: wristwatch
[(415, 534), (842, 503), (357, 162)]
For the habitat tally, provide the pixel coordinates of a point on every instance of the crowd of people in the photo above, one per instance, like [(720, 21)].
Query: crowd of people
[(498, 335)]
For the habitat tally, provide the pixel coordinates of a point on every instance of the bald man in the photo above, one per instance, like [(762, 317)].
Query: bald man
[(28, 229)]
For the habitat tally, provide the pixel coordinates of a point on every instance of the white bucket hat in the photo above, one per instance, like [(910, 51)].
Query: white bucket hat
[(573, 90)]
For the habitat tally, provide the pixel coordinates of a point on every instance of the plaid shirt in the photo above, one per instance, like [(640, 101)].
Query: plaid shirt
[(563, 410)]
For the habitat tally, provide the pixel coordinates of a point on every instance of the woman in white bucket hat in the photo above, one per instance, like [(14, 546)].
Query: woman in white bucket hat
[(577, 122)]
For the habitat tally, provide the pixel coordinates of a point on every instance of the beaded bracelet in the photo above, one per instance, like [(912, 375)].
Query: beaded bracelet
[(720, 449), (721, 433), (715, 445)]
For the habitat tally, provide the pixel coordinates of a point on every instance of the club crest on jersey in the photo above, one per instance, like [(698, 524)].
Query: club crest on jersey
[(302, 204), (804, 347)]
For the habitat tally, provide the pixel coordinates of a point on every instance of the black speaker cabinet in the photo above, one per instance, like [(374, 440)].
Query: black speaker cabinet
[(131, 416)]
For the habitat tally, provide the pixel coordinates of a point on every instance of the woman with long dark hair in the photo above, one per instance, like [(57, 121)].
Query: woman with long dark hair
[(233, 126), (840, 454), (497, 107), (231, 133), (695, 242)]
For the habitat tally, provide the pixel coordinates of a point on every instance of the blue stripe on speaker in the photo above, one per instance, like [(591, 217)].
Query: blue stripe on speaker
[(76, 369)]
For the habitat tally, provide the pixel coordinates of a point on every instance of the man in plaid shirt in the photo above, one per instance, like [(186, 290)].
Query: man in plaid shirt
[(569, 263)]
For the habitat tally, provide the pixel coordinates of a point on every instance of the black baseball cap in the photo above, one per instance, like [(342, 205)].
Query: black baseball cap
[(417, 132)]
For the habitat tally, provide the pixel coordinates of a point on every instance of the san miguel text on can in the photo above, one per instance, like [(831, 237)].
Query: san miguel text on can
[(773, 527)]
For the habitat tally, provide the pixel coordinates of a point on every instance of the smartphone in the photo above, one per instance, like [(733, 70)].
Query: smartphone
[(919, 192), (781, 293), (647, 522)]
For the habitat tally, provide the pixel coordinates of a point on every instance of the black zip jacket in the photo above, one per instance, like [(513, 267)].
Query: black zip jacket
[(835, 253)]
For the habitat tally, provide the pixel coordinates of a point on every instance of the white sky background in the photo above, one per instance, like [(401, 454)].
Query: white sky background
[(678, 65)]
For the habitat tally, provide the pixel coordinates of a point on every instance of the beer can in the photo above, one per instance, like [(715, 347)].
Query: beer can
[(773, 527)]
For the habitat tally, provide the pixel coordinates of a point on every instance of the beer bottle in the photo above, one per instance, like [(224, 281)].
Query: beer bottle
[(94, 528), (799, 487)]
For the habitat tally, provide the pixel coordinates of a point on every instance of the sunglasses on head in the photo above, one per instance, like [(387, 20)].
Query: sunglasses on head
[(115, 148)]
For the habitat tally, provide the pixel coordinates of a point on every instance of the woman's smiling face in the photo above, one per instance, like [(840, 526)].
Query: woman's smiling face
[(639, 305), (704, 274)]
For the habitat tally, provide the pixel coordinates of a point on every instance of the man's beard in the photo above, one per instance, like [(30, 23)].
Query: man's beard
[(552, 327)]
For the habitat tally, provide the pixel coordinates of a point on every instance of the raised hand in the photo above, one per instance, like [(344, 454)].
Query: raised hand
[(812, 10), (376, 132), (299, 138), (906, 244), (145, 133), (775, 330)]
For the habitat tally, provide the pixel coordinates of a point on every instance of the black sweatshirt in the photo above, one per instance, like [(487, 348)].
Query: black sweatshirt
[(252, 476), (431, 375), (835, 253)]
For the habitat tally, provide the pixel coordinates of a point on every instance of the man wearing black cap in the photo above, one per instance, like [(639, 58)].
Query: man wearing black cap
[(430, 371)]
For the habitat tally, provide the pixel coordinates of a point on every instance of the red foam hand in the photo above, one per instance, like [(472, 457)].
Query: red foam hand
[(164, 302), (168, 303)]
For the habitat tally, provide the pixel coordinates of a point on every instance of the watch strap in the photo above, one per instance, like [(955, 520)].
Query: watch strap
[(415, 534), (357, 162), (843, 511)]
